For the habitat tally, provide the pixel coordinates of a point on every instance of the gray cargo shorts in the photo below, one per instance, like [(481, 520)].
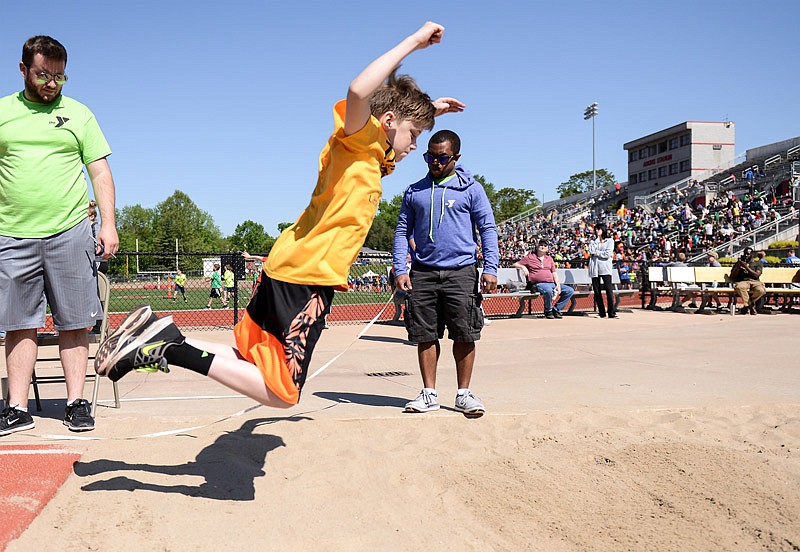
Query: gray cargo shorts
[(58, 270)]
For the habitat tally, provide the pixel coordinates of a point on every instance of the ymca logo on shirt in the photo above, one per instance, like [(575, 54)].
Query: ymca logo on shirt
[(60, 121)]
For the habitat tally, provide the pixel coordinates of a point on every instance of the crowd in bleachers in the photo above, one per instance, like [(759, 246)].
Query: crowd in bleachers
[(674, 225)]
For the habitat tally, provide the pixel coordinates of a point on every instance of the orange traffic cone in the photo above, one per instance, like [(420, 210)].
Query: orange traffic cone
[(169, 287)]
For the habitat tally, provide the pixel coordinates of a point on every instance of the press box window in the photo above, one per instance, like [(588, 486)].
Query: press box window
[(686, 166)]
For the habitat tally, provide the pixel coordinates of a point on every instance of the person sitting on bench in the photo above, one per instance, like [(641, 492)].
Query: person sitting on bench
[(540, 271)]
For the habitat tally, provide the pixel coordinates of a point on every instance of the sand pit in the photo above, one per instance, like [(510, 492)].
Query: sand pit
[(658, 431)]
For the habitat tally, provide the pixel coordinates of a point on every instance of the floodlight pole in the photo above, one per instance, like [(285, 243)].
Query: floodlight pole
[(590, 113)]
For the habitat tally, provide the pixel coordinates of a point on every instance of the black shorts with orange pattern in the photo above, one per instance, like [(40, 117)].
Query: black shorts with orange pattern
[(279, 331)]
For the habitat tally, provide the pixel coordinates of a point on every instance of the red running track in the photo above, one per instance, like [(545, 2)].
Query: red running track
[(30, 475)]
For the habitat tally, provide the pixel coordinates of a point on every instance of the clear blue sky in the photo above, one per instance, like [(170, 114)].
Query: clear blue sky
[(231, 102)]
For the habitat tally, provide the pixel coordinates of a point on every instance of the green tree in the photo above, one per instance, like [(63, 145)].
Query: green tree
[(250, 236), (513, 201), (177, 217), (283, 226), (135, 222), (507, 202), (381, 233), (488, 187), (582, 182)]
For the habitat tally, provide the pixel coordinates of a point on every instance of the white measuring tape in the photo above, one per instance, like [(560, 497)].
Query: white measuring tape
[(234, 415)]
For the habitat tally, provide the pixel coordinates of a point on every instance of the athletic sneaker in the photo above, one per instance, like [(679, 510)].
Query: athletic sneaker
[(425, 402), (470, 405), (78, 417), (13, 419), (138, 316), (138, 344)]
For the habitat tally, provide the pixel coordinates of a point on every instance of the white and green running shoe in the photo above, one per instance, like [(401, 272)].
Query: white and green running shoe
[(138, 344)]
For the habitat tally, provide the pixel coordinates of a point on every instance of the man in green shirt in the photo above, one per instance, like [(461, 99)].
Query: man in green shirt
[(47, 251)]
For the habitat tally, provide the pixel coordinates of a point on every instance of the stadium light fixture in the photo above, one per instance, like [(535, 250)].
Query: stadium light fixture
[(590, 113)]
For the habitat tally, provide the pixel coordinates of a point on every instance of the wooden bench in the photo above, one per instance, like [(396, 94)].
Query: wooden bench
[(713, 282), (514, 283), (577, 278), (710, 282), (782, 282)]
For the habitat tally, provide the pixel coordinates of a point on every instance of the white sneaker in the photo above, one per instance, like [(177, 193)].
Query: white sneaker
[(425, 402), (470, 405)]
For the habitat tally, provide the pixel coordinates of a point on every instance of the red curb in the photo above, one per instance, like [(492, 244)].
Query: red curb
[(30, 475)]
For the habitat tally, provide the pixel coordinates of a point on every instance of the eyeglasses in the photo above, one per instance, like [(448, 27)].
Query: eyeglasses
[(442, 159), (44, 77)]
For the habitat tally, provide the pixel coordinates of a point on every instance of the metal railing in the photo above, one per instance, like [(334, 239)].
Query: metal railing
[(772, 160), (521, 216), (750, 239)]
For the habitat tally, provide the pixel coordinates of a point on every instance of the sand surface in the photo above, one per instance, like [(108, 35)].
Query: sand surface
[(657, 431)]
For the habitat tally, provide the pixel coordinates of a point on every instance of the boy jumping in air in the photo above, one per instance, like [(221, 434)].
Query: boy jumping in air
[(375, 127)]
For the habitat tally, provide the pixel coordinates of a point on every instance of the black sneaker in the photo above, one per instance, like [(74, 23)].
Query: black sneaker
[(13, 419), (138, 344), (78, 416), (557, 314), (139, 316), (549, 315)]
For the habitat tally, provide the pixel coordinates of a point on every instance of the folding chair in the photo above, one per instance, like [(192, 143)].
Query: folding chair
[(104, 293)]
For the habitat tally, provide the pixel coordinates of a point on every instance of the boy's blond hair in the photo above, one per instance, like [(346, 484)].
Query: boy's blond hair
[(401, 95)]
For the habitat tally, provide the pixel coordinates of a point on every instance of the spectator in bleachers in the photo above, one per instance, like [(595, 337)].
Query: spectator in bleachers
[(540, 271), (791, 258)]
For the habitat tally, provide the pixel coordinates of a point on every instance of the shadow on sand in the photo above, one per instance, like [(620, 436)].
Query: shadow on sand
[(360, 398), (229, 466)]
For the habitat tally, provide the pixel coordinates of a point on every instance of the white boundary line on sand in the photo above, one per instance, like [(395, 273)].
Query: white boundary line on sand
[(234, 415)]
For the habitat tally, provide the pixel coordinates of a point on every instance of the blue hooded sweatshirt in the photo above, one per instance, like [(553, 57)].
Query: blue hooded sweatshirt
[(445, 221)]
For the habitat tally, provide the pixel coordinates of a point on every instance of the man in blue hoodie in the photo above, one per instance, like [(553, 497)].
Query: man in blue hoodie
[(445, 212)]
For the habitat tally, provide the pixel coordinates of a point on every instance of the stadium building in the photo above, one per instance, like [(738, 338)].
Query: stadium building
[(688, 150)]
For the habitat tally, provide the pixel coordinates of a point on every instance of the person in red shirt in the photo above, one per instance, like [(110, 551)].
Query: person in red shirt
[(540, 271)]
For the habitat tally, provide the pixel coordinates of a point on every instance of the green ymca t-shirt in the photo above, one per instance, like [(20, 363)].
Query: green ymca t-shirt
[(43, 148)]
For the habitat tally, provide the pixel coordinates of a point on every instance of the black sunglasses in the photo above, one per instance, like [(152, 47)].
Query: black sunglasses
[(442, 159)]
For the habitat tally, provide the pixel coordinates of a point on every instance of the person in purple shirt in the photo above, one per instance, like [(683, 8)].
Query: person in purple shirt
[(445, 212)]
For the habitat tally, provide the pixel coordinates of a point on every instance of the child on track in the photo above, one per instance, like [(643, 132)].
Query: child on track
[(375, 127)]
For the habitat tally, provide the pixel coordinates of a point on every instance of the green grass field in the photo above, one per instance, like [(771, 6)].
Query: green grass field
[(127, 297)]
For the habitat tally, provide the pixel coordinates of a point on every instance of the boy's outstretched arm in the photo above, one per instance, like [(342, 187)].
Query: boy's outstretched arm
[(375, 74)]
